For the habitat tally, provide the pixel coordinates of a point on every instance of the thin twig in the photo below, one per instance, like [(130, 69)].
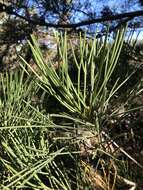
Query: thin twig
[(122, 150)]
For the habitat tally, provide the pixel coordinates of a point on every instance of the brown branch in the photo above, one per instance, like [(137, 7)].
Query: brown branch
[(129, 16)]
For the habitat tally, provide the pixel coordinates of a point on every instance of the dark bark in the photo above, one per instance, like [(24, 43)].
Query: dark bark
[(130, 15)]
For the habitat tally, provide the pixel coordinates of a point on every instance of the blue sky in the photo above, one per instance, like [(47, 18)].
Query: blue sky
[(96, 6)]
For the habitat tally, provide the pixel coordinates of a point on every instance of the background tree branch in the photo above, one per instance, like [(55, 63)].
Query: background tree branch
[(41, 22)]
